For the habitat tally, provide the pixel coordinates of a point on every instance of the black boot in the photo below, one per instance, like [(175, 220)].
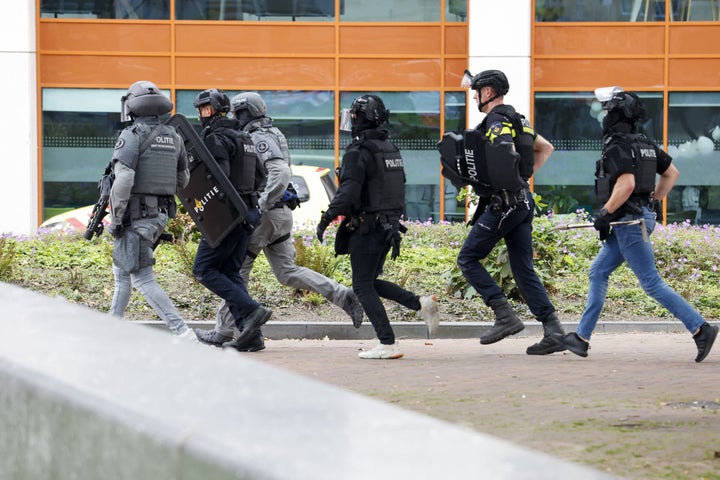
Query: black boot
[(704, 340), (546, 346), (506, 324), (252, 324), (255, 344)]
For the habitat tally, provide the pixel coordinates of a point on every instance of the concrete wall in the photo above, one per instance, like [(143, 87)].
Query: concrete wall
[(18, 123), (86, 396)]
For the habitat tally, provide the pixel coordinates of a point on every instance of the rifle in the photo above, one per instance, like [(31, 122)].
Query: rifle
[(95, 225), (164, 237), (571, 226)]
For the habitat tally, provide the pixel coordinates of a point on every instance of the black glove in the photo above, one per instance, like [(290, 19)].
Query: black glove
[(322, 225), (392, 238), (602, 223), (116, 231)]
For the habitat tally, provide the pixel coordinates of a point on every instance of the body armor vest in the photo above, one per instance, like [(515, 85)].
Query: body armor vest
[(644, 158), (522, 139), (264, 125), (156, 170), (246, 173), (384, 189)]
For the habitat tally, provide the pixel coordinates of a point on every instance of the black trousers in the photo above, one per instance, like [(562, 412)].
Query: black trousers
[(368, 252)]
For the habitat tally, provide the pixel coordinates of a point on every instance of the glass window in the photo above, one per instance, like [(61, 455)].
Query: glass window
[(305, 117), (393, 11), (455, 121), (698, 10), (694, 144), (80, 127), (272, 10), (456, 11), (600, 11), (124, 9), (415, 130), (572, 122)]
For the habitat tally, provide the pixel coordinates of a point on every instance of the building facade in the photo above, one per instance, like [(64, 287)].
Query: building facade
[(69, 62)]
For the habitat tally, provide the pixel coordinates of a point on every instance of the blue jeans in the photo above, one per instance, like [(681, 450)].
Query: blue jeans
[(626, 244), (144, 281), (516, 229), (218, 269)]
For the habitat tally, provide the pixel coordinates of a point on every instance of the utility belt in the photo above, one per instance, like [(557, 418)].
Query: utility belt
[(635, 204), (366, 222), (505, 200), (142, 206)]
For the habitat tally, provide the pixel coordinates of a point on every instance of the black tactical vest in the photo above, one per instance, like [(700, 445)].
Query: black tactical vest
[(384, 187), (522, 138), (246, 172), (644, 158)]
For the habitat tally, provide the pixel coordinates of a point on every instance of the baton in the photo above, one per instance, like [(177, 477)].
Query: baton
[(641, 222)]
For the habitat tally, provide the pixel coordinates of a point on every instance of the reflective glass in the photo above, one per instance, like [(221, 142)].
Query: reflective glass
[(455, 121), (123, 9), (415, 130), (572, 122), (456, 10), (257, 10), (600, 11), (694, 144), (305, 117), (394, 11), (79, 129)]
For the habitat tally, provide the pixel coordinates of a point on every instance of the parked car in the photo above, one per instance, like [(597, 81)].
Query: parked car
[(314, 185)]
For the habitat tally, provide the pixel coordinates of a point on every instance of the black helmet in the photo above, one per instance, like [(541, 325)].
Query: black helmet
[(373, 108), (628, 103), (215, 97), (492, 78)]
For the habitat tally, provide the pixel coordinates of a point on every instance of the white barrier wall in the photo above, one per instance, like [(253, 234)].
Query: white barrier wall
[(18, 123), (87, 396)]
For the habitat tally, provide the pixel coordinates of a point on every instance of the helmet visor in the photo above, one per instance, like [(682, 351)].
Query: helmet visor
[(466, 81), (345, 120), (605, 94), (124, 110)]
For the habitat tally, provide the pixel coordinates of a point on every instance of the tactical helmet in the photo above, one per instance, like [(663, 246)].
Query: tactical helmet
[(215, 97), (250, 101), (142, 99), (627, 102), (373, 108), (492, 78)]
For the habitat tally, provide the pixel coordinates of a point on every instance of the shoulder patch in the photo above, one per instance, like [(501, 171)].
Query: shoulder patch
[(496, 128), (120, 143), (262, 146)]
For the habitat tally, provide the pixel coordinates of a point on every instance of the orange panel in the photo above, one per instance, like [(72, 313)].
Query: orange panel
[(456, 40), (570, 74), (694, 39), (694, 73), (389, 40), (255, 73), (255, 39), (408, 74), (454, 71), (105, 37), (611, 39), (102, 70)]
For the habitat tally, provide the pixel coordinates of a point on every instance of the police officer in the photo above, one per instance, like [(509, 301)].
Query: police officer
[(512, 151), (149, 164), (273, 234), (218, 268), (371, 196), (625, 184)]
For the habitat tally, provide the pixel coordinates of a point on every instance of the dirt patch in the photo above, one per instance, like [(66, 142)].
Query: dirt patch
[(638, 407)]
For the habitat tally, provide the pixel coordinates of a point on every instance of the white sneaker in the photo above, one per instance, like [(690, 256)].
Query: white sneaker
[(188, 336), (429, 313), (384, 352)]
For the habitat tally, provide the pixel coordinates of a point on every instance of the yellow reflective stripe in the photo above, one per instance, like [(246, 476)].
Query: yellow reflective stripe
[(506, 129)]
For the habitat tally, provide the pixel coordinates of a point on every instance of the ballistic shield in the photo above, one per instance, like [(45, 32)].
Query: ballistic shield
[(209, 198)]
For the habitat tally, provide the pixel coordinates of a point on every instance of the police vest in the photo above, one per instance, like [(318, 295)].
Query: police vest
[(384, 187), (246, 172), (156, 169), (644, 159), (263, 127), (522, 138)]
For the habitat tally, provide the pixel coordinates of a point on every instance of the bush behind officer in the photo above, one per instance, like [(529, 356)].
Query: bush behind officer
[(512, 151), (371, 196), (218, 268), (149, 164)]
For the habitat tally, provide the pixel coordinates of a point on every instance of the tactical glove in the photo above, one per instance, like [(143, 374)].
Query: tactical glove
[(602, 223), (116, 231), (322, 226)]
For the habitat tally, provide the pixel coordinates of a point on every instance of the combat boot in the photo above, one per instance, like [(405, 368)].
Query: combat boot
[(546, 346), (506, 323)]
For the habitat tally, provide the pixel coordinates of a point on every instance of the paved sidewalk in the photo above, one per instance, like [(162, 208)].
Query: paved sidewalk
[(637, 407)]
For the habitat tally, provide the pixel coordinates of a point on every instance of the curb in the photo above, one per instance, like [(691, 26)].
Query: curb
[(418, 330)]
